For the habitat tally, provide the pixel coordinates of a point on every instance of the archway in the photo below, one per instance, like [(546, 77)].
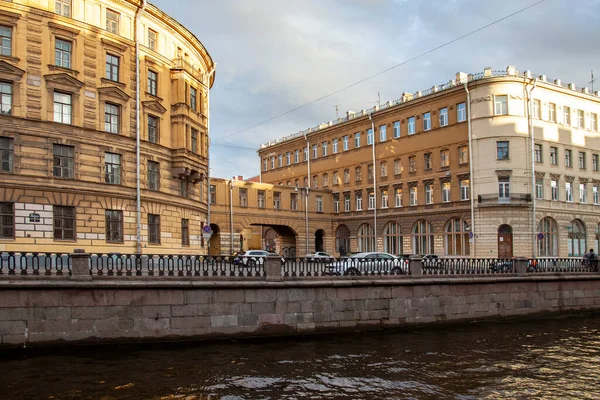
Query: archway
[(366, 238), (422, 237), (505, 241), (214, 244), (392, 240), (577, 238), (270, 240), (319, 234), (548, 240), (456, 237), (342, 239)]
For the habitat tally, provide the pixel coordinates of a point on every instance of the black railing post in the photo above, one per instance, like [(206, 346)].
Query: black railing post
[(80, 266)]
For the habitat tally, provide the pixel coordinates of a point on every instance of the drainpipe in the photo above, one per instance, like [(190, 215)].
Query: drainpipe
[(138, 194), (231, 213), (306, 217), (374, 182), (532, 136), (307, 160), (212, 71), (307, 189), (471, 178)]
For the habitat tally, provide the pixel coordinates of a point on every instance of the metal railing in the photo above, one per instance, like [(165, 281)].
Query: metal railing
[(467, 266)]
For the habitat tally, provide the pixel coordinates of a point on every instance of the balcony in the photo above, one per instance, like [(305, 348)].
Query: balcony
[(181, 64), (187, 165), (493, 200)]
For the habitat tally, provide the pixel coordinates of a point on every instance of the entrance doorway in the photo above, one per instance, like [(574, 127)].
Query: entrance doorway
[(505, 241), (214, 244), (319, 240)]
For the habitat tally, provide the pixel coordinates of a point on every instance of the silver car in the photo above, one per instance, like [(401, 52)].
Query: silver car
[(371, 263)]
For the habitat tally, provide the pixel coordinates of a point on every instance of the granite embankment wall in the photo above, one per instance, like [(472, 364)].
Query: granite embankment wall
[(56, 311)]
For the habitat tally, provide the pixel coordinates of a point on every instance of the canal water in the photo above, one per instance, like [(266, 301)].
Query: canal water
[(537, 359)]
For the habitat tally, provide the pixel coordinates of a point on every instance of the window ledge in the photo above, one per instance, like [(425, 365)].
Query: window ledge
[(53, 67), (111, 82)]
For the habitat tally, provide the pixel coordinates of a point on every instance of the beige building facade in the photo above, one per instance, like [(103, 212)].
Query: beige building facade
[(103, 128)]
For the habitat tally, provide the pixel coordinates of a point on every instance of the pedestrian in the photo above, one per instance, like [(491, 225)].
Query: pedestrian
[(590, 258)]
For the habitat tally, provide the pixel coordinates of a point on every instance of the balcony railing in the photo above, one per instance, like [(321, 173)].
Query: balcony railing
[(183, 64), (494, 199)]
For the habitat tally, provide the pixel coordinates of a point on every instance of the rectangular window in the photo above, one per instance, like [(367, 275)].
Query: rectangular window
[(315, 151), (382, 133), (306, 153), (580, 119), (63, 7), (213, 194), (111, 118), (62, 108), (461, 112), (503, 190), (5, 98), (568, 159), (463, 155), (412, 164), (595, 162), (7, 221), (153, 175), (552, 112), (413, 196), (411, 125), (265, 164), (194, 141), (502, 150), (396, 129), (183, 188), (153, 131), (153, 229), (113, 222), (64, 222), (112, 67), (371, 200), (346, 176), (260, 199), (336, 178), (426, 121), (370, 137), (324, 149), (398, 196), (280, 160), (152, 82), (277, 200), (539, 188), (384, 199), (566, 115), (273, 162), (370, 172), (427, 161), (582, 160), (336, 203), (464, 189), (63, 161), (358, 201), (593, 121), (326, 179), (445, 158), (358, 174), (383, 169), (429, 194), (569, 191), (62, 53), (444, 116), (334, 146), (538, 153), (446, 192), (296, 157), (112, 168), (554, 190), (152, 39), (357, 140), (595, 194), (501, 105), (346, 143), (288, 158), (536, 109), (315, 183), (294, 201), (347, 202), (582, 193), (185, 232), (193, 98), (112, 21), (319, 204), (554, 155), (243, 197), (6, 40), (397, 167), (6, 154)]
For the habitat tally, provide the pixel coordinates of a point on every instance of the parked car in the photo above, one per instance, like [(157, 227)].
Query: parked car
[(361, 263), (252, 258), (319, 256)]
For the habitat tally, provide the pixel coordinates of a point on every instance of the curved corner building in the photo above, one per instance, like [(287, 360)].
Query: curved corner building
[(69, 128)]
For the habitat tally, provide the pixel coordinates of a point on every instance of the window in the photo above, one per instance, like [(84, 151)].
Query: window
[(595, 194), (582, 193), (552, 112), (5, 98), (324, 149), (358, 201), (444, 116), (306, 153), (392, 240), (346, 202), (280, 160), (319, 204), (213, 194), (446, 192), (502, 150), (456, 237), (194, 141), (461, 112), (554, 190), (153, 175), (346, 143), (277, 200), (342, 239), (336, 203), (445, 158), (62, 53), (412, 164), (185, 232), (413, 196), (569, 191), (112, 67), (336, 178), (383, 169), (243, 197), (288, 158), (366, 238), (273, 162), (64, 222), (426, 121), (501, 105), (411, 125), (463, 155), (153, 228), (576, 243), (580, 119), (7, 221), (111, 118), (193, 98), (152, 39), (536, 109), (396, 129), (326, 179), (398, 197), (6, 154), (334, 147), (153, 131), (152, 82), (357, 140), (62, 108), (113, 222), (429, 193), (554, 155), (112, 21), (422, 238), (183, 188), (593, 121), (384, 198), (358, 174), (538, 153), (370, 172), (296, 157), (294, 201), (369, 137), (63, 161), (539, 188), (112, 168), (566, 115), (568, 159), (315, 183), (548, 245), (260, 199), (63, 7), (427, 161), (503, 190), (382, 133), (464, 189), (582, 160), (6, 40), (315, 151), (346, 176), (397, 167), (594, 162), (371, 201)]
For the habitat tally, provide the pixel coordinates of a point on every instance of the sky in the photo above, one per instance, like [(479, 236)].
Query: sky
[(274, 56)]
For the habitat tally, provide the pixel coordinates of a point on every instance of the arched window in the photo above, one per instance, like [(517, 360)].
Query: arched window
[(342, 239), (366, 238), (456, 237), (597, 237), (422, 240), (576, 242), (392, 240), (548, 244)]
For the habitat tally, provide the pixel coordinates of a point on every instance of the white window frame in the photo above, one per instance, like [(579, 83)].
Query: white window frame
[(370, 137), (382, 133), (347, 201), (296, 156), (319, 203), (396, 129), (414, 200), (411, 126), (426, 121), (429, 194), (444, 116), (384, 199), (539, 188), (554, 190), (357, 140), (446, 187), (334, 146), (501, 104), (583, 193), (371, 200), (461, 112), (345, 143), (464, 189), (398, 197), (568, 192), (359, 202)]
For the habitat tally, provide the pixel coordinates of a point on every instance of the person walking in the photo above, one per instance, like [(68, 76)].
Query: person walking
[(590, 258)]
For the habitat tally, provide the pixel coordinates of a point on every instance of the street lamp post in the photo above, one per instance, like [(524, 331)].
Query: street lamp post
[(304, 192)]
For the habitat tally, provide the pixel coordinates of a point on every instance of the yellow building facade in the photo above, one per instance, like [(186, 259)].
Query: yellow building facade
[(103, 128)]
